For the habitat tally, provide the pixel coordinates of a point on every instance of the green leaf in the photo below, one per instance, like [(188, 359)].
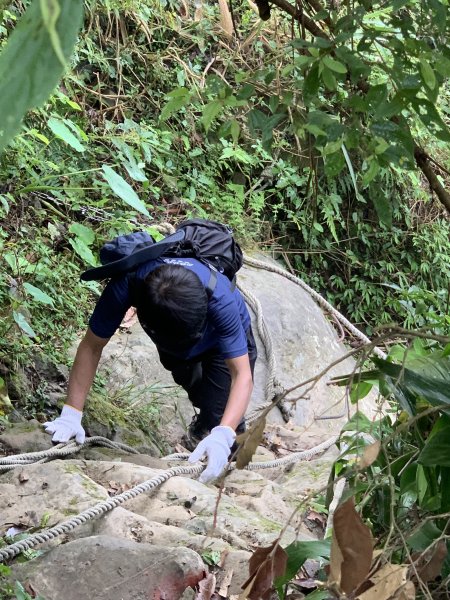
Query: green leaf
[(334, 65), (360, 391), (329, 79), (371, 172), (359, 422), (382, 204), (38, 294), (21, 321), (29, 66), (50, 13), (350, 167), (210, 112), (83, 232), (63, 133), (298, 553), (421, 539), (437, 449), (177, 99), (427, 73), (124, 190), (235, 130), (83, 251), (311, 84), (431, 118)]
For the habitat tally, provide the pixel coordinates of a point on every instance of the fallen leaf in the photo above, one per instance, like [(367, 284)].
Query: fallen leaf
[(370, 455), (386, 582), (351, 548), (406, 592), (206, 587), (432, 568), (225, 583), (251, 440), (265, 565)]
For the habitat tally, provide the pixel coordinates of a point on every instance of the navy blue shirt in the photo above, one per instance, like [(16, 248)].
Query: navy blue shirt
[(227, 318)]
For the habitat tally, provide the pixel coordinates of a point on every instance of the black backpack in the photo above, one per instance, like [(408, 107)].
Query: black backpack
[(208, 241)]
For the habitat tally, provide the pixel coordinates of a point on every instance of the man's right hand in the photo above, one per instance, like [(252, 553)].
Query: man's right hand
[(66, 426)]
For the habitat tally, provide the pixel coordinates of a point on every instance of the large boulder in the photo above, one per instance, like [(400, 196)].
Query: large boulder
[(110, 568)]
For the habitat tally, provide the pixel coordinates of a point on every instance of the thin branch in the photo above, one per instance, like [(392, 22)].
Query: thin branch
[(423, 162), (309, 24)]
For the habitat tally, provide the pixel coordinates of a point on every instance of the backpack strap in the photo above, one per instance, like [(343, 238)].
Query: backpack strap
[(212, 281)]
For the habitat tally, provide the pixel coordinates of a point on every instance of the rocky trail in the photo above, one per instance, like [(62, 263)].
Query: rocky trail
[(167, 543)]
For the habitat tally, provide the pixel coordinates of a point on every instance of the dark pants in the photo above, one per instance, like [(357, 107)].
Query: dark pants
[(207, 381)]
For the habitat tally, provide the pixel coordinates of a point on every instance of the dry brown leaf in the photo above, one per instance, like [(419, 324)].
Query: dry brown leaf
[(225, 583), (406, 592), (265, 565), (206, 587), (386, 582), (353, 540), (370, 455), (252, 439), (432, 568)]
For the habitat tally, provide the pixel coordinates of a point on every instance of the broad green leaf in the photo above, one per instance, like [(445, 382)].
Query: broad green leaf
[(360, 391), (371, 172), (210, 112), (359, 422), (38, 294), (235, 130), (412, 385), (83, 251), (334, 65), (123, 189), (329, 79), (427, 73), (311, 84), (63, 133), (382, 204), (431, 118), (298, 553), (29, 66), (83, 232), (21, 321), (437, 449), (176, 100), (421, 539)]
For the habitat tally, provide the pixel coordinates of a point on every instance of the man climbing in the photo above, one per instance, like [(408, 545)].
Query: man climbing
[(203, 337)]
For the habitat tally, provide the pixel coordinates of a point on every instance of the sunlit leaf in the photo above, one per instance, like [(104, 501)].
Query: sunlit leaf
[(123, 189), (62, 132), (21, 321), (38, 294)]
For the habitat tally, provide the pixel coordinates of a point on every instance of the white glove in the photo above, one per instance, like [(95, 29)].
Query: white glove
[(66, 426), (217, 448)]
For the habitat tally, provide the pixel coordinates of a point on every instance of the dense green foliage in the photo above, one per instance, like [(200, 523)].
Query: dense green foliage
[(305, 135), (148, 127)]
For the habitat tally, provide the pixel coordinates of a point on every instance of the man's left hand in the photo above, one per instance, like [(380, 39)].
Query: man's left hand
[(217, 447)]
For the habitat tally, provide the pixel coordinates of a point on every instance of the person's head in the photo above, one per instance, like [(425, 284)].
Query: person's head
[(172, 307)]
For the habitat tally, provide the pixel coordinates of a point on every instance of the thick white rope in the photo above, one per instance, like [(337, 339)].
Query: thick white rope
[(102, 507), (259, 264)]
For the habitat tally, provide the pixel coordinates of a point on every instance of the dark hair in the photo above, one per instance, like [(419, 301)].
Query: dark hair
[(172, 305)]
